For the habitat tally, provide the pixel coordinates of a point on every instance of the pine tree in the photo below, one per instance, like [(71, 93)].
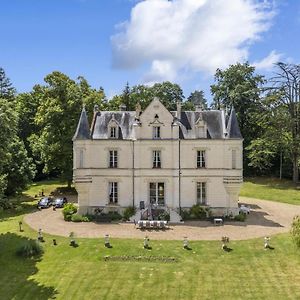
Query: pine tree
[(7, 91)]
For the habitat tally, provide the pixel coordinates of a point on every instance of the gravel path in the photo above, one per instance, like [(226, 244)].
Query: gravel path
[(266, 218)]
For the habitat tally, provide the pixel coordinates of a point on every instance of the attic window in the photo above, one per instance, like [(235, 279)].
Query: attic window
[(113, 132)]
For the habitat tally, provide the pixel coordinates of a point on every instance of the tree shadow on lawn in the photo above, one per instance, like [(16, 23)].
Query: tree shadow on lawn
[(254, 218), (274, 183), (15, 272)]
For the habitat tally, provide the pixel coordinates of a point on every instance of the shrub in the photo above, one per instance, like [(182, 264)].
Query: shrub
[(114, 215), (68, 210), (129, 212), (5, 203), (19, 209), (295, 231), (30, 248), (240, 217), (79, 218), (198, 212), (165, 216)]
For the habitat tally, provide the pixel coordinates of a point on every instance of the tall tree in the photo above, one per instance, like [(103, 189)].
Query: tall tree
[(7, 91), (286, 85), (61, 101), (240, 87), (197, 98)]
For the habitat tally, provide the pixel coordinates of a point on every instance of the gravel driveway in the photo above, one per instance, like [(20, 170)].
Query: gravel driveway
[(266, 218)]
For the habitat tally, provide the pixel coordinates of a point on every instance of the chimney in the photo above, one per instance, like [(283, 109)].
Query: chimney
[(198, 107), (138, 110), (178, 110), (122, 107)]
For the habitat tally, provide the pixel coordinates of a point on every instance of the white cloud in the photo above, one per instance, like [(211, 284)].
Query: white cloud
[(268, 62), (189, 35)]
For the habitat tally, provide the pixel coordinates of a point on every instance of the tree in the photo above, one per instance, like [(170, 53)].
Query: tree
[(286, 85), (198, 98), (168, 93), (7, 91), (61, 101), (16, 168), (295, 231), (238, 86)]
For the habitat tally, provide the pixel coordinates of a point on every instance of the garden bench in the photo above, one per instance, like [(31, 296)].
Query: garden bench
[(218, 221)]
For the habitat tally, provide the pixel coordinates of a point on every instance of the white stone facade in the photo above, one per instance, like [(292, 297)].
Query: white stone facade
[(172, 171)]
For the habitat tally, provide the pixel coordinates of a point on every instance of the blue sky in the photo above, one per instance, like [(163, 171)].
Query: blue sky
[(110, 42)]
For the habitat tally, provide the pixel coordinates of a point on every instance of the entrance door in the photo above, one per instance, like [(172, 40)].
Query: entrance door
[(157, 193)]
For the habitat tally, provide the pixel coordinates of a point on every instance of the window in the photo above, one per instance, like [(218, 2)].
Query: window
[(113, 132), (157, 193), (233, 158), (201, 159), (80, 158), (156, 159), (113, 192), (113, 158), (156, 132), (201, 193)]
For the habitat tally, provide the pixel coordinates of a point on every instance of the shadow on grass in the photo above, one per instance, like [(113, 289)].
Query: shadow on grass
[(274, 183), (15, 272), (15, 212)]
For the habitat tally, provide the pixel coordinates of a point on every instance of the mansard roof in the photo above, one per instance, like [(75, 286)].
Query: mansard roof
[(214, 121), (233, 128), (83, 129), (123, 119)]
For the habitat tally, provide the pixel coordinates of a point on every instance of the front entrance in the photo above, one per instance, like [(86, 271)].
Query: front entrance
[(157, 193)]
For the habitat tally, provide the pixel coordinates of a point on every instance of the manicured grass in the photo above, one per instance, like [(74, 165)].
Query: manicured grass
[(271, 189), (205, 272)]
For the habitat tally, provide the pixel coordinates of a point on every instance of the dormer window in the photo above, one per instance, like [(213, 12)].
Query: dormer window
[(113, 132), (156, 132)]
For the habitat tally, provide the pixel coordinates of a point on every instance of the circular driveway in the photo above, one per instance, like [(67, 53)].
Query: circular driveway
[(266, 218)]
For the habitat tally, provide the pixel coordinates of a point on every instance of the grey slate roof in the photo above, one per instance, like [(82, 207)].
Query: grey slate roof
[(124, 119), (83, 129), (233, 128), (214, 120)]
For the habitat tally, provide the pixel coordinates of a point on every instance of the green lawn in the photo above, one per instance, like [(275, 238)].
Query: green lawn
[(205, 272), (271, 189)]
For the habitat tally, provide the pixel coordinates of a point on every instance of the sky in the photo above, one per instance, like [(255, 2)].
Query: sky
[(111, 42)]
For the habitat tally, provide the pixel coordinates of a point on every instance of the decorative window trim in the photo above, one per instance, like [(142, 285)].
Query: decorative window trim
[(201, 159), (201, 183), (81, 158), (156, 159), (113, 159), (113, 192), (156, 183)]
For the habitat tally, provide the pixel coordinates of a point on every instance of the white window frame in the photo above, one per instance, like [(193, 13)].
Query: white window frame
[(156, 199), (113, 192), (201, 192), (156, 134), (201, 159), (156, 159), (113, 159)]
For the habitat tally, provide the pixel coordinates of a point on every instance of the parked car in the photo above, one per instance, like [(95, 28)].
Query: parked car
[(245, 209), (45, 202), (59, 202)]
